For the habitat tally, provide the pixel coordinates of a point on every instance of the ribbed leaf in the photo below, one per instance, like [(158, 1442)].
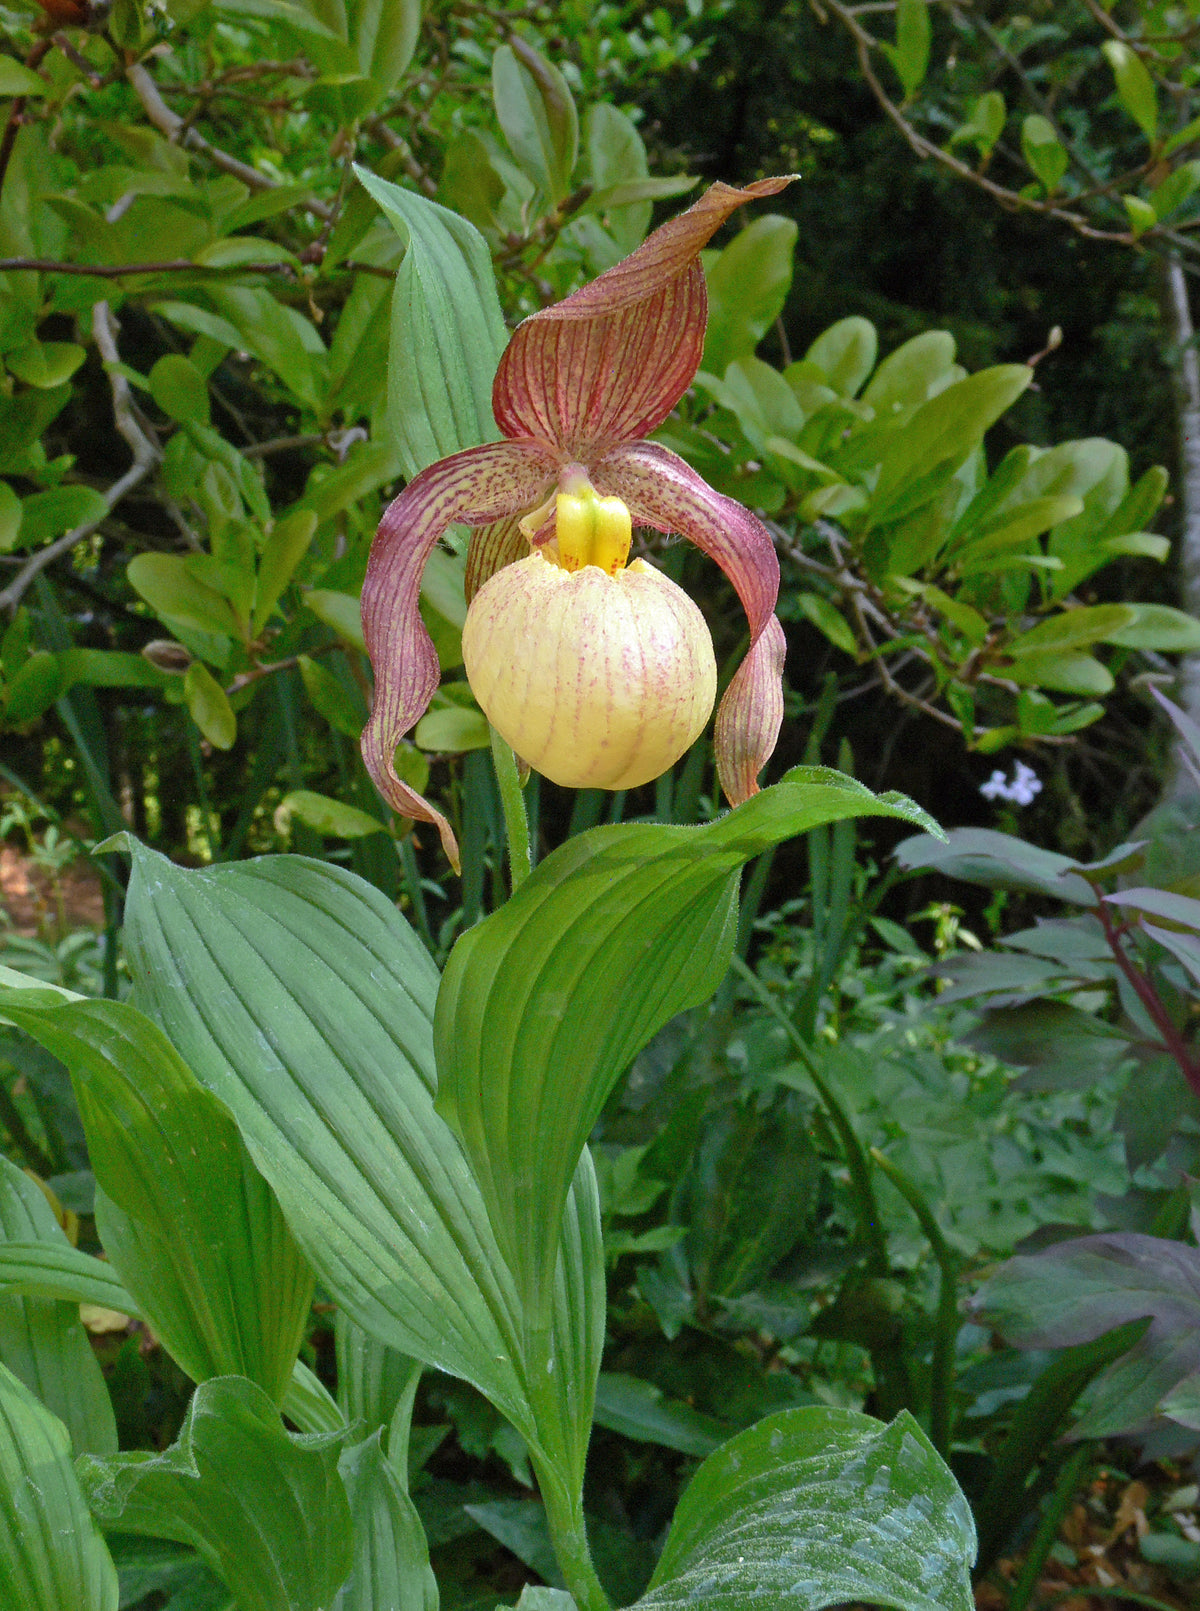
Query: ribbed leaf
[(545, 1004), (376, 1389), (303, 1000), (42, 1340), (189, 1224), (447, 330), (391, 1557), (46, 1270), (813, 1507), (51, 1553), (265, 1508)]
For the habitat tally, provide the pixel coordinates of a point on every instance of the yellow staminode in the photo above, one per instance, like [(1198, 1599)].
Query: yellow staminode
[(591, 530)]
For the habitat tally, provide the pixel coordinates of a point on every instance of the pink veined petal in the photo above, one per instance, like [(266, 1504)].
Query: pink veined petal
[(483, 484), (609, 362), (664, 492), (750, 716), (492, 548)]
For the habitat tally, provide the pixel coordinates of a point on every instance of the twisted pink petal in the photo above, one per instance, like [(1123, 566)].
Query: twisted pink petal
[(609, 362), (664, 492), (482, 485)]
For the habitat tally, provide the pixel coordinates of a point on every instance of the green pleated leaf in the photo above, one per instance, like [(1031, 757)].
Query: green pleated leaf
[(813, 1507), (376, 1387), (51, 1553), (544, 1005), (191, 1227), (302, 999), (309, 1404), (42, 1341), (47, 1270), (266, 1508), (447, 330), (391, 1556)]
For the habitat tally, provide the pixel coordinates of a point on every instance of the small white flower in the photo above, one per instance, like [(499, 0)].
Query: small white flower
[(1021, 791)]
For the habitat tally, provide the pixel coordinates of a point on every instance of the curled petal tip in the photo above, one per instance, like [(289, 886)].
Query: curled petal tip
[(750, 716)]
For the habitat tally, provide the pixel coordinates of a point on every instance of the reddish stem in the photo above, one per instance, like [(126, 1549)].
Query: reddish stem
[(1173, 1041)]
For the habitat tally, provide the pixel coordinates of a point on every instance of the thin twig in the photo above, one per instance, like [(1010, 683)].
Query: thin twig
[(117, 271), (145, 457), (175, 129)]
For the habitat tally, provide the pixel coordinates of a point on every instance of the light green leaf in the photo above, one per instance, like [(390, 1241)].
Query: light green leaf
[(447, 330), (265, 1508), (828, 619), (46, 1270), (1073, 629), (748, 283), (276, 334), (234, 250), (1135, 87), (545, 1003), (942, 431), (41, 1339), (535, 108), (909, 375), (390, 1567), (342, 708), (17, 79), (108, 668), (453, 729), (10, 518), (1184, 136), (174, 594), (191, 1228), (333, 818), (1043, 151), (283, 550), (1144, 544), (34, 688), (209, 707), (45, 364), (1176, 188), (376, 1387), (1141, 215), (52, 1555), (913, 36), (337, 1111), (845, 354), (1158, 626), (814, 1507), (341, 611), (58, 510), (985, 124), (309, 1404), (1066, 672), (641, 1411), (179, 389)]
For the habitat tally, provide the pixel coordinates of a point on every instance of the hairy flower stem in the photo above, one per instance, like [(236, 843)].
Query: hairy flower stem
[(512, 803)]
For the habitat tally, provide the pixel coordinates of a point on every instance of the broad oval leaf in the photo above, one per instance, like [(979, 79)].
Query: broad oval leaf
[(51, 1553), (1078, 1290), (813, 1507), (302, 999), (41, 1339), (748, 283), (544, 1005), (191, 1227), (266, 1508)]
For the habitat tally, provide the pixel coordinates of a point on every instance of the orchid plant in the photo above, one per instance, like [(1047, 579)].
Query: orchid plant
[(598, 673), (299, 1097)]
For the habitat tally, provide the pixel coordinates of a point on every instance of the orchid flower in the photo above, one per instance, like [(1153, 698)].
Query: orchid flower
[(597, 673)]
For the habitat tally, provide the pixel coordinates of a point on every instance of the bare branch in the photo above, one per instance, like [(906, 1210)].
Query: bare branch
[(145, 456), (173, 126)]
